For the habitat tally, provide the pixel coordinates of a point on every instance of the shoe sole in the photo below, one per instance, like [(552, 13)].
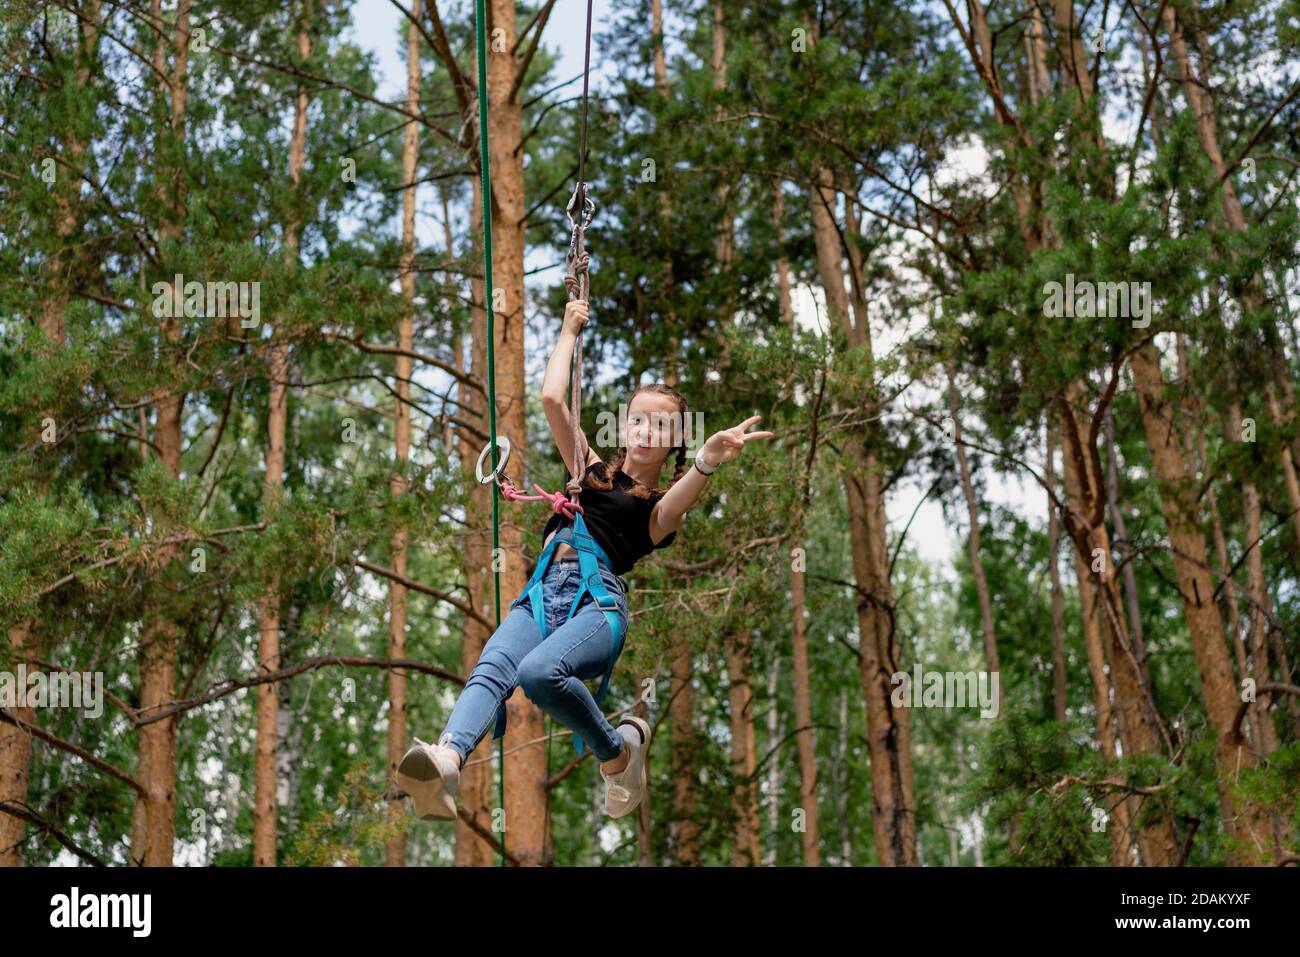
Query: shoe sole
[(645, 744), (418, 776)]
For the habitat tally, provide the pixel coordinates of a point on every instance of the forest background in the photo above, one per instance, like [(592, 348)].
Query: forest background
[(262, 533)]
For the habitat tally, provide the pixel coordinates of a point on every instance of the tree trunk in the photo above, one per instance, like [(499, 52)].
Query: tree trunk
[(395, 851), (774, 783), (724, 242), (1289, 479), (841, 782), (232, 785), (265, 802), (154, 817), (1199, 609), (1140, 729), (681, 710), (268, 653), (804, 737), (745, 850), (725, 236), (1266, 740), (664, 197), (1120, 810), (745, 842), (1199, 98), (1257, 592), (859, 335), (476, 794), (1121, 532), (644, 811), (16, 743), (527, 822), (682, 826), (782, 260), (973, 542), (1059, 696), (893, 811), (16, 756), (1192, 416)]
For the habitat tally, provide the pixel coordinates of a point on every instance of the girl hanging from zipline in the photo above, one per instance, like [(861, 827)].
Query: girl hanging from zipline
[(566, 627)]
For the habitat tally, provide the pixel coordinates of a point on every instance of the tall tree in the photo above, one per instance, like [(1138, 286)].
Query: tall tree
[(265, 810), (155, 809), (62, 277), (397, 737)]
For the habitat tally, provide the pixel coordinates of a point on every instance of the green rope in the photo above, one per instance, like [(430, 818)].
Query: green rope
[(480, 20), (581, 208)]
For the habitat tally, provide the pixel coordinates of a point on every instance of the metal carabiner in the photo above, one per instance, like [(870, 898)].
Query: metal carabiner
[(588, 207), (503, 443)]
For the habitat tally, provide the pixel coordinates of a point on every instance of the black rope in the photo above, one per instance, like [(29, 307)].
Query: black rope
[(580, 211), (586, 76)]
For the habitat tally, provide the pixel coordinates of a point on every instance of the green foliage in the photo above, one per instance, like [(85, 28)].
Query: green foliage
[(960, 217), (340, 835)]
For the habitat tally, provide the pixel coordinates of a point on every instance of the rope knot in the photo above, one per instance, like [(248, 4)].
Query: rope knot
[(578, 269)]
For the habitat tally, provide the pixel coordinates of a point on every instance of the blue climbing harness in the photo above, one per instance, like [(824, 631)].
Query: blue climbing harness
[(589, 552)]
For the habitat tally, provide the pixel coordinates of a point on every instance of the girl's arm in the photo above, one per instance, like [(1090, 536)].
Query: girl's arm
[(724, 446), (556, 383)]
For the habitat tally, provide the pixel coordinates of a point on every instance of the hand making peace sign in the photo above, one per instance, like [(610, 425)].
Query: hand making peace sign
[(726, 446)]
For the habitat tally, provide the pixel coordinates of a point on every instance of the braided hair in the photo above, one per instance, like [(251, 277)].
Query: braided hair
[(605, 481)]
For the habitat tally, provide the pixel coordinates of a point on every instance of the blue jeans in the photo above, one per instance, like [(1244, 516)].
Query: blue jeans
[(551, 672)]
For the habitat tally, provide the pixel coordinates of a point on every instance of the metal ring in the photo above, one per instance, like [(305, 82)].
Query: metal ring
[(586, 213), (503, 443)]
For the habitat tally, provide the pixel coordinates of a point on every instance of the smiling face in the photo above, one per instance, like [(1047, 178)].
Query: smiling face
[(654, 428)]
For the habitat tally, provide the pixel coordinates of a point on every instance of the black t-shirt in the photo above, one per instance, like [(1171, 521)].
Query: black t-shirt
[(618, 520)]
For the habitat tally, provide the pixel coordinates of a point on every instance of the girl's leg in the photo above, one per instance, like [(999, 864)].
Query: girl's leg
[(491, 681), (552, 676)]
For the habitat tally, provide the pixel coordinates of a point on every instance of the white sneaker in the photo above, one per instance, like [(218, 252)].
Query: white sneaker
[(625, 789), (430, 774)]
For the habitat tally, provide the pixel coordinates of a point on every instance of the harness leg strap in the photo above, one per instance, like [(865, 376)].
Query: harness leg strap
[(589, 552)]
